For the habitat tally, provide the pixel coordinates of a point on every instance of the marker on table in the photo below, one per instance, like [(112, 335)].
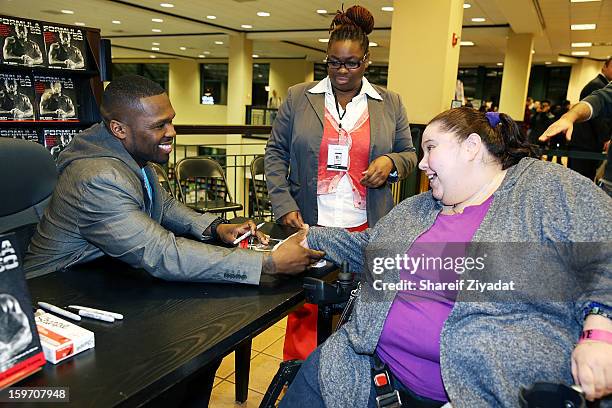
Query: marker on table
[(59, 311), (97, 316), (114, 315), (247, 234)]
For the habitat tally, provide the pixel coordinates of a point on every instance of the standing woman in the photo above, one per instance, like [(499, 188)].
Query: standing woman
[(335, 147)]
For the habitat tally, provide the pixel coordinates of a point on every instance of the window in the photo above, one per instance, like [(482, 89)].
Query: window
[(261, 75), (213, 84), (155, 72)]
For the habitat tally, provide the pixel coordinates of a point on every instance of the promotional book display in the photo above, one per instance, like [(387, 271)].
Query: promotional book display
[(21, 353), (24, 134), (55, 99), (50, 85), (56, 140), (16, 97)]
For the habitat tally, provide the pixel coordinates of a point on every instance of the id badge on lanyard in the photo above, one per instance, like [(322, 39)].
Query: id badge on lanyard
[(337, 157)]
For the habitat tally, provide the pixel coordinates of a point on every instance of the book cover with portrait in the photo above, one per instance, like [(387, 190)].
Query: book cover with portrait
[(22, 42), (56, 140), (20, 351), (16, 98), (33, 135), (55, 99), (65, 47)]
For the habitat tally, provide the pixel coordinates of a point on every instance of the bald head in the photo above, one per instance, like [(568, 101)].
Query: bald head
[(122, 96)]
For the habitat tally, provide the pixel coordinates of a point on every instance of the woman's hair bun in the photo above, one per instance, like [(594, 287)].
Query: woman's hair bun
[(356, 15)]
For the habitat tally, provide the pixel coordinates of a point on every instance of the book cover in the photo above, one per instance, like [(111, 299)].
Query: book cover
[(16, 97), (65, 47), (21, 353), (56, 140), (55, 99), (21, 41), (32, 135)]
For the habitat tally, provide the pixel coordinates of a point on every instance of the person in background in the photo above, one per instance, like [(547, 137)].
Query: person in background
[(527, 114), (596, 105), (274, 102), (335, 147), (591, 135), (540, 121), (452, 345)]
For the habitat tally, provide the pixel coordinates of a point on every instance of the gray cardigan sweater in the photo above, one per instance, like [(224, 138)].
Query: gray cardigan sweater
[(489, 347)]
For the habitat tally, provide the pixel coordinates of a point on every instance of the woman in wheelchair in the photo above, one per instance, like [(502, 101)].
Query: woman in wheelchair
[(476, 288)]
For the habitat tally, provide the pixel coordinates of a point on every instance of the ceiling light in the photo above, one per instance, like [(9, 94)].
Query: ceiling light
[(201, 56), (479, 19), (211, 17), (387, 8), (323, 40), (321, 11), (156, 30), (263, 14), (116, 22), (155, 43), (580, 53), (467, 5), (152, 56), (157, 20), (466, 43), (154, 48), (533, 51), (246, 26), (182, 48), (373, 44), (259, 75), (582, 1), (67, 12), (582, 44), (583, 27), (219, 42), (79, 23), (167, 5), (207, 52), (255, 56), (548, 63), (499, 64)]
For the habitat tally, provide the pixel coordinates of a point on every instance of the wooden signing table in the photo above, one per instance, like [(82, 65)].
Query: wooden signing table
[(170, 329)]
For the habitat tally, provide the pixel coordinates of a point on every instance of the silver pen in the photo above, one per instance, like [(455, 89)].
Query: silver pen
[(59, 311), (97, 316), (114, 315)]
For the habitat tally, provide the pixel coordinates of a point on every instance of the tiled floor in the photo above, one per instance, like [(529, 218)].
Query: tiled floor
[(266, 355)]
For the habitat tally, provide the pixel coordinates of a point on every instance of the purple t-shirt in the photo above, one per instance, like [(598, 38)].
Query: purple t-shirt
[(410, 339)]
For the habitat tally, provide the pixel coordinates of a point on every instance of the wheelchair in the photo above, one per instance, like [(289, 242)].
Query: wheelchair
[(338, 297)]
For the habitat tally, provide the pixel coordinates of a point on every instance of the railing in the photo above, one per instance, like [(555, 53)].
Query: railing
[(259, 115)]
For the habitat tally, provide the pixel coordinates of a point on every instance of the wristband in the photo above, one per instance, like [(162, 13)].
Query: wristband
[(596, 334), (595, 308)]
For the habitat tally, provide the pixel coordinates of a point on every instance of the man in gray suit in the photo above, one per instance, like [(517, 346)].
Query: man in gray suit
[(107, 202)]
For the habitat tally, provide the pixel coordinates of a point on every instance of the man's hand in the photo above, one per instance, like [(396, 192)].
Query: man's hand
[(27, 60), (592, 368), (563, 125), (377, 173), (17, 113), (291, 257), (229, 232), (292, 219)]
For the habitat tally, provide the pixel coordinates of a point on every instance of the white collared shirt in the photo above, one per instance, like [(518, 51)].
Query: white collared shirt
[(338, 209)]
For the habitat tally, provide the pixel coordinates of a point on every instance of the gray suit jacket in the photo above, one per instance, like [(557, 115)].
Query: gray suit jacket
[(100, 206), (292, 152)]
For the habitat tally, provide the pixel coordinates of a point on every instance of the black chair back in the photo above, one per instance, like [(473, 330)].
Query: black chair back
[(208, 176), (29, 176), (262, 207)]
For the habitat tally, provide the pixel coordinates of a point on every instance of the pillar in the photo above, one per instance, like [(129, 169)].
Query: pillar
[(423, 61), (240, 77), (583, 71), (515, 80)]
